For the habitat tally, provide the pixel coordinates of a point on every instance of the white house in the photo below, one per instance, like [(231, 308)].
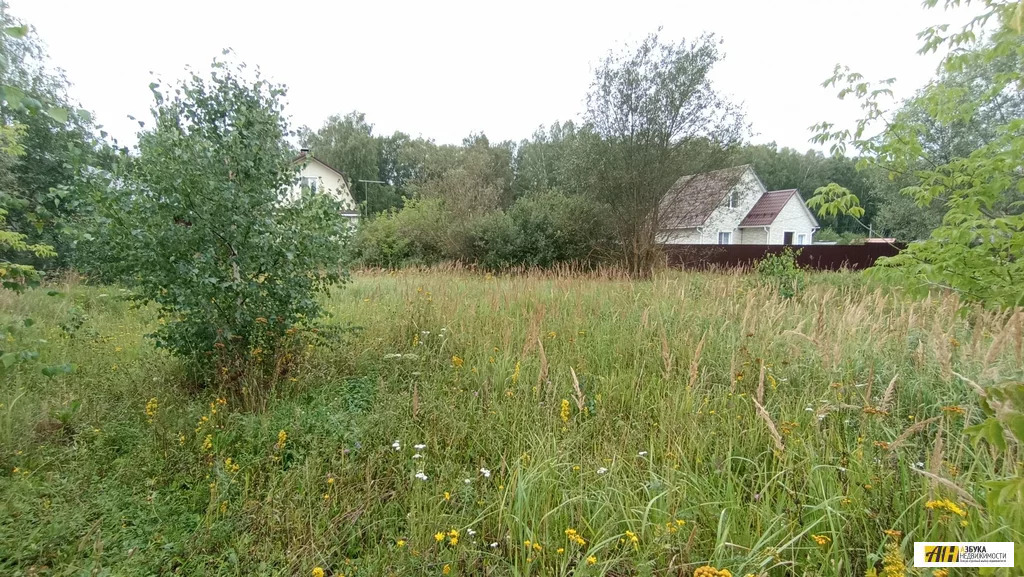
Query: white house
[(319, 177), (731, 206)]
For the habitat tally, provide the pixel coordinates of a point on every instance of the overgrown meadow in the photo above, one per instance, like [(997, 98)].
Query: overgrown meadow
[(459, 424)]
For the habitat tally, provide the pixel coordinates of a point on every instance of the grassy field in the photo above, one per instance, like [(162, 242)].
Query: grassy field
[(709, 422)]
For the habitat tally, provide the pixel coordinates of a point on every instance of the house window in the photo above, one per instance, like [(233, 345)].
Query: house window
[(733, 199), (787, 238), (801, 239), (310, 182), (725, 238)]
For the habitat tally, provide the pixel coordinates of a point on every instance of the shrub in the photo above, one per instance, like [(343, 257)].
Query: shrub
[(416, 234), (196, 224), (782, 273), (556, 228)]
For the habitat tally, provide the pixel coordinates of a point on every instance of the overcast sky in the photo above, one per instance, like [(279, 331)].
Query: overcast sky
[(445, 69)]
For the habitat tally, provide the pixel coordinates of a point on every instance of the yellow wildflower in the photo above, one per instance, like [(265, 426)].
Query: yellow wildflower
[(457, 361), (151, 408), (447, 496), (318, 572), (208, 443), (282, 439), (946, 504), (515, 373), (564, 412), (439, 536), (821, 539), (591, 560), (447, 569)]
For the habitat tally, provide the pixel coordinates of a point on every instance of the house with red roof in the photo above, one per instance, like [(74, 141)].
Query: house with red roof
[(732, 206)]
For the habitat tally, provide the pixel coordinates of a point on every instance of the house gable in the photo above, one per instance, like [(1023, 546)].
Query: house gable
[(793, 217), (332, 181)]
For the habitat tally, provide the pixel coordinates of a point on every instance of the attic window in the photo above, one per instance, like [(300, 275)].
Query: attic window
[(310, 183), (734, 198)]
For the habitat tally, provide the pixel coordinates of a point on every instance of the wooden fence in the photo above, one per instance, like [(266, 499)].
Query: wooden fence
[(817, 257)]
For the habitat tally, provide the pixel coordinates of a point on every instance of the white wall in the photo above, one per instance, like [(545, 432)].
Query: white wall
[(679, 236), (792, 218), (754, 235), (725, 219), (328, 181)]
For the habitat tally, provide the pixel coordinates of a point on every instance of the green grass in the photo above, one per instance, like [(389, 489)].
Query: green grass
[(669, 447)]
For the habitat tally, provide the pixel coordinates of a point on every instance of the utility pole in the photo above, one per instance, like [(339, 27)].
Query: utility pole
[(366, 197)]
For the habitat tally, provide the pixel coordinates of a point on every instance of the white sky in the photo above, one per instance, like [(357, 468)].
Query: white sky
[(444, 69)]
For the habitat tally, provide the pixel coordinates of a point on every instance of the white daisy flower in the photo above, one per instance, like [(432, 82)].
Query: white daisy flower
[(419, 447), (470, 532), (602, 470), (467, 481), (421, 476), (397, 445), (485, 471), (417, 456)]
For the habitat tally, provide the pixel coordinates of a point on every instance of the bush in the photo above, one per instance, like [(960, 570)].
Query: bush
[(539, 230), (557, 228), (782, 273), (416, 234), (196, 225)]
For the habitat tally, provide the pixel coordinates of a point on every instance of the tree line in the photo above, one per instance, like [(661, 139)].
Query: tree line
[(192, 220)]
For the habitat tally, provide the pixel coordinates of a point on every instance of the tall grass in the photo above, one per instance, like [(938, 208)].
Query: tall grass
[(710, 422)]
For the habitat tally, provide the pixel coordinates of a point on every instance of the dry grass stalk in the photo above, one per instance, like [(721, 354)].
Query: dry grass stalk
[(695, 363), (949, 485), (909, 432), (870, 383), (415, 399), (533, 333), (760, 384), (997, 345), (666, 356), (977, 388), (888, 395), (776, 437), (542, 376), (581, 400), (937, 453)]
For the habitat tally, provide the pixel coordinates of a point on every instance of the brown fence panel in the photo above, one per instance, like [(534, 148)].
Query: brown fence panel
[(817, 257)]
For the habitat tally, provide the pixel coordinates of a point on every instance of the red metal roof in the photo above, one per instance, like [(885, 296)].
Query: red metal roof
[(767, 208)]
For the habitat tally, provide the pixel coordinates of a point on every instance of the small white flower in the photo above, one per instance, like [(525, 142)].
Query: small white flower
[(485, 471), (642, 454), (919, 465), (419, 447), (421, 476), (417, 456), (467, 481), (494, 545), (602, 470), (471, 532), (397, 445)]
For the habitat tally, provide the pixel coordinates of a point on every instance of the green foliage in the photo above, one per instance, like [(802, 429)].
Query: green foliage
[(976, 179), (830, 235), (539, 230), (415, 234), (658, 117), (832, 200), (197, 224), (782, 273)]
